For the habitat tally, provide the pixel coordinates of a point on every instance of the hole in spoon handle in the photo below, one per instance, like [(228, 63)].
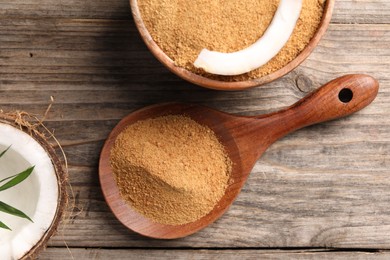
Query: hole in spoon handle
[(345, 95), (339, 97)]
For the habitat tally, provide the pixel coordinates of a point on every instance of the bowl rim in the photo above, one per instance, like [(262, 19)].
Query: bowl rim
[(225, 85)]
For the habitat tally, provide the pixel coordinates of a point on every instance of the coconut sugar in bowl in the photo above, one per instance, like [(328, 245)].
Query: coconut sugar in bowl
[(176, 32)]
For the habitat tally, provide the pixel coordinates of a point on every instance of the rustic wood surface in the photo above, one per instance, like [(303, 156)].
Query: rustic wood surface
[(326, 186)]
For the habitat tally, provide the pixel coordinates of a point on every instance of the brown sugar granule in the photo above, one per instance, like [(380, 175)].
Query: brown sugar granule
[(170, 169), (182, 28)]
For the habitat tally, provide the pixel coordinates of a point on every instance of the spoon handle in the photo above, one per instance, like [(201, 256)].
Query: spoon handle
[(338, 98)]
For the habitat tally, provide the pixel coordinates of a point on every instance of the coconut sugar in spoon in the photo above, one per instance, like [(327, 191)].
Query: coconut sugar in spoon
[(245, 140)]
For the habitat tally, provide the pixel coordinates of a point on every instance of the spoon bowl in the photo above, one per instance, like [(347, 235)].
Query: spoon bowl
[(244, 138)]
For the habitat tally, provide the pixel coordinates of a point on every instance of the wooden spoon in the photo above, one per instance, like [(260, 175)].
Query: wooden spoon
[(245, 139)]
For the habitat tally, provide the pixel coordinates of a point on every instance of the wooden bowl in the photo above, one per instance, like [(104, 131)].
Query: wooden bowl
[(223, 85)]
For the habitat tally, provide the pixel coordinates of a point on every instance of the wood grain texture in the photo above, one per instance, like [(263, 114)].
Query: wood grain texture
[(346, 11), (325, 186), (64, 254)]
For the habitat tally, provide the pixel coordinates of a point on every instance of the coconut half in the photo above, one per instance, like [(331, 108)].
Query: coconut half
[(42, 196)]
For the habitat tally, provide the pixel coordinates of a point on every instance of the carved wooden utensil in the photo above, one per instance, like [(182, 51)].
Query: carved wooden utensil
[(245, 139)]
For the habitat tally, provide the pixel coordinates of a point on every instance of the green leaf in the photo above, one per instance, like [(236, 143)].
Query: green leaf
[(8, 178), (11, 210), (18, 178), (3, 152), (2, 225)]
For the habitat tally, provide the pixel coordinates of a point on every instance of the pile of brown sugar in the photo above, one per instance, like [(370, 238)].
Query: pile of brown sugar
[(170, 169), (182, 28)]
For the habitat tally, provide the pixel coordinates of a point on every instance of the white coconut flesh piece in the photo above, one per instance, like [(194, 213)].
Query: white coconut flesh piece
[(259, 53), (36, 196)]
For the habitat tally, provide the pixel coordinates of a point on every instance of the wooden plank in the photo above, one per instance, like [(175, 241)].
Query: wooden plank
[(112, 9), (90, 59), (63, 254), (346, 11), (331, 204), (325, 186), (361, 11)]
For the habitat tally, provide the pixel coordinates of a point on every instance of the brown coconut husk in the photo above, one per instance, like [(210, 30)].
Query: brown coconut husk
[(36, 129)]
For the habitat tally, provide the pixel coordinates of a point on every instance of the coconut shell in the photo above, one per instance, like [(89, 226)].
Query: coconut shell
[(17, 120)]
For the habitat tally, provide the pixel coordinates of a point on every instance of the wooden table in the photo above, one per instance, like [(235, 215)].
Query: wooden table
[(322, 192)]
